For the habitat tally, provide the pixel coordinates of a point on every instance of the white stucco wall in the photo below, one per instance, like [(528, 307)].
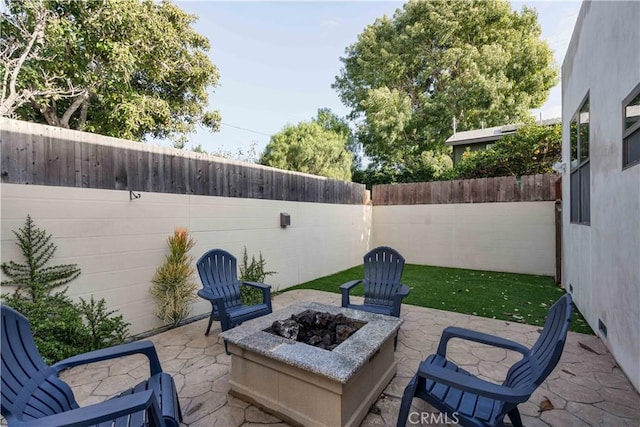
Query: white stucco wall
[(602, 260), (514, 237), (119, 243)]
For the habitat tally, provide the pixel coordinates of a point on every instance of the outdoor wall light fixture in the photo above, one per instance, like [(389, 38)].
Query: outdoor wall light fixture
[(285, 219), (559, 167), (133, 196)]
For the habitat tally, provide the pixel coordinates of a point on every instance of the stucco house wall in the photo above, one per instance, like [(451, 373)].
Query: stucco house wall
[(602, 260)]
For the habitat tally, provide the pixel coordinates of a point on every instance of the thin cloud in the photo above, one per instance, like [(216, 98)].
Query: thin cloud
[(329, 23)]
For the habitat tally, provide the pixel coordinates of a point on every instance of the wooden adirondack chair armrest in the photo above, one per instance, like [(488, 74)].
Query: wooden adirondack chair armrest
[(266, 291), (470, 383), (469, 335), (208, 295), (257, 285), (102, 412), (347, 286), (403, 291), (138, 347), (215, 299)]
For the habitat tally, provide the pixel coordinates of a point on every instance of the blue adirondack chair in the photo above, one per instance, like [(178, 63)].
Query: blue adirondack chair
[(218, 271), (383, 292), (33, 395), (475, 402)]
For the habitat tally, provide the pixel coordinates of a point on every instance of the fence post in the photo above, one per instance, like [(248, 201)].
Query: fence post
[(558, 221)]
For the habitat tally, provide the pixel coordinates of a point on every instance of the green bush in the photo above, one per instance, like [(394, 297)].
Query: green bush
[(532, 149), (429, 166), (374, 176), (61, 328), (105, 327), (254, 271), (57, 326)]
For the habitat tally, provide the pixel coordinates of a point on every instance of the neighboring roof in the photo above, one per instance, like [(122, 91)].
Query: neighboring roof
[(492, 133)]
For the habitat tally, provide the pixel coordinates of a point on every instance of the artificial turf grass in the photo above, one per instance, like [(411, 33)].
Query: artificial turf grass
[(514, 297)]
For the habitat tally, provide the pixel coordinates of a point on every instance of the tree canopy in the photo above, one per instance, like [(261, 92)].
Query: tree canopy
[(317, 147), (126, 68), (408, 77)]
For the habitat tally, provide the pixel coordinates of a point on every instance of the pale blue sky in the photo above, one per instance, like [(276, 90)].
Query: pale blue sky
[(277, 61)]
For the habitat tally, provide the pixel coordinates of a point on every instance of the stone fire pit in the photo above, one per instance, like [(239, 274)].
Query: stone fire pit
[(307, 385)]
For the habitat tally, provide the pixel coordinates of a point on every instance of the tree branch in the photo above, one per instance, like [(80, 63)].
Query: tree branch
[(30, 45), (4, 57), (38, 33), (83, 114), (47, 112), (80, 99)]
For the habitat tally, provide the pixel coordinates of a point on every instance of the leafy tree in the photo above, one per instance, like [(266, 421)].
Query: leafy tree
[(532, 149), (330, 121), (21, 41), (318, 147), (407, 77), (125, 68), (340, 125), (248, 155)]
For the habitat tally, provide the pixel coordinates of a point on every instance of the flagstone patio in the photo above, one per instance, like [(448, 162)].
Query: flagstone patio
[(587, 388)]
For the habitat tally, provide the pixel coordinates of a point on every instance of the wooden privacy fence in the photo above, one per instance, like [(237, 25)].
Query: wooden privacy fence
[(541, 187), (45, 155)]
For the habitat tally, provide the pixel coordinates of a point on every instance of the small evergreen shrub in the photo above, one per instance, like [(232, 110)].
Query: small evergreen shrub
[(254, 271), (173, 288), (34, 279), (105, 327), (61, 328)]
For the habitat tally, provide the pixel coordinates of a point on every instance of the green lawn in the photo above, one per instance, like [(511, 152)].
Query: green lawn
[(515, 297)]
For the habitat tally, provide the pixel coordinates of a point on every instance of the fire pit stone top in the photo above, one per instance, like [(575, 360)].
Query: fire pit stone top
[(340, 364)]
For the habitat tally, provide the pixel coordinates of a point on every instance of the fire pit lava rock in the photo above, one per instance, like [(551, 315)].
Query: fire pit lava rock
[(320, 329)]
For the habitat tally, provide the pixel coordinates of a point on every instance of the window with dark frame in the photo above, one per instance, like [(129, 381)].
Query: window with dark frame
[(631, 128), (579, 186)]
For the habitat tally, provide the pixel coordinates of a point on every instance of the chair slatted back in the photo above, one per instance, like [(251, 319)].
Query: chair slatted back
[(548, 348), (545, 353), (218, 270), (29, 390), (382, 272)]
